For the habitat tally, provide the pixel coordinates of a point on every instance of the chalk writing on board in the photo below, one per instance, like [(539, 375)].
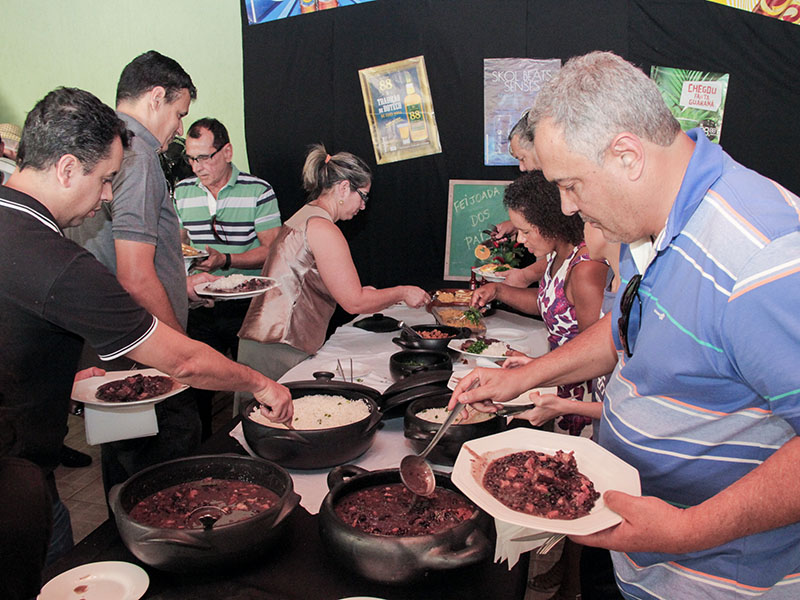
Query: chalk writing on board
[(473, 206)]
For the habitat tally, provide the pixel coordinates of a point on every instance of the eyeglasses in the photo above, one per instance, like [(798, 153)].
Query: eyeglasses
[(202, 157), (630, 294), (364, 195), (220, 238)]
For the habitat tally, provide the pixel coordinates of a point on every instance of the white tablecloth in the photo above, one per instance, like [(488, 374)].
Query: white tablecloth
[(374, 350)]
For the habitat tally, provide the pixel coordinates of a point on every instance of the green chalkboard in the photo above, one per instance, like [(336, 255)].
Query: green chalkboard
[(472, 207)]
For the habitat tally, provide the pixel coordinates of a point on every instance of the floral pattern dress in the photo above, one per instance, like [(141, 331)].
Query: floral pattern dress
[(562, 325)]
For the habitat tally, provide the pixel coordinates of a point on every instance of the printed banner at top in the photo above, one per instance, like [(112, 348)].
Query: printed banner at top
[(509, 88), (261, 11), (785, 10)]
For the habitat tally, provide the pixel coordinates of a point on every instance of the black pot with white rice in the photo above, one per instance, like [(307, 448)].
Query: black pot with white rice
[(333, 423)]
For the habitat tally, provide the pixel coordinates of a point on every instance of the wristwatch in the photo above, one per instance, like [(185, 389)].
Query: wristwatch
[(227, 264)]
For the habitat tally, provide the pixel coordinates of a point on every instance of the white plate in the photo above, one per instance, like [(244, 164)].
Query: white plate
[(201, 255), (201, 290), (456, 345), (490, 276), (108, 580), (507, 334), (605, 470), (524, 397), (360, 370), (84, 391)]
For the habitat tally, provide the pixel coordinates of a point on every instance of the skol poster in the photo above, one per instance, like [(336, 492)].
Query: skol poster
[(261, 11), (696, 98), (509, 88), (785, 10), (399, 108)]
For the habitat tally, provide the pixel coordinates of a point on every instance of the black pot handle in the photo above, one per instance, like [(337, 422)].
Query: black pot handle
[(477, 546), (401, 342), (342, 473), (323, 375), (175, 537)]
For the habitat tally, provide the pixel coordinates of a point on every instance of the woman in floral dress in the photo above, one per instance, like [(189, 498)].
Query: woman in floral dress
[(570, 291)]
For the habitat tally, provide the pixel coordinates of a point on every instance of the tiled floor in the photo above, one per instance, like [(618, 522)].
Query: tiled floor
[(82, 489)]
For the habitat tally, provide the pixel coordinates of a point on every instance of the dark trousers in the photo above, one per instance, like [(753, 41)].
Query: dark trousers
[(216, 326)]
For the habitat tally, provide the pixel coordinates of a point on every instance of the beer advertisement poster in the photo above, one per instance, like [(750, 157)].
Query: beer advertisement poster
[(397, 100), (509, 88), (696, 98)]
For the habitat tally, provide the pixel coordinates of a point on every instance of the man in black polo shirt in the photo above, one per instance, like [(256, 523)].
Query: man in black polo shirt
[(54, 294)]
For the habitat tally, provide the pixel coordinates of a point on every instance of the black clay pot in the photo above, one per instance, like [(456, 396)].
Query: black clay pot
[(398, 560), (191, 550), (407, 362), (413, 342), (314, 448), (420, 432)]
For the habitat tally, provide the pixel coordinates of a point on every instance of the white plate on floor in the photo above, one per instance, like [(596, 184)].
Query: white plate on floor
[(108, 580), (84, 390), (360, 370), (606, 471), (202, 290)]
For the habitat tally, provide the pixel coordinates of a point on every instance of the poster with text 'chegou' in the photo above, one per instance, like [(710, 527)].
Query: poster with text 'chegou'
[(509, 88), (397, 100), (696, 98)]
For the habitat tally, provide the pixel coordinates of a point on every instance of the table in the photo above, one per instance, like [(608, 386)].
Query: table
[(300, 567)]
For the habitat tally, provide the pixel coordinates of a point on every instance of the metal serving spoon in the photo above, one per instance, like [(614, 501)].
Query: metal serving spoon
[(416, 472)]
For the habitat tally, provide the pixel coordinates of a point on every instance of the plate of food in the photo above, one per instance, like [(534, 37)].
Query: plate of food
[(492, 272), (191, 253), (545, 481), (235, 286), (450, 296), (481, 346), (460, 317), (106, 580), (126, 388)]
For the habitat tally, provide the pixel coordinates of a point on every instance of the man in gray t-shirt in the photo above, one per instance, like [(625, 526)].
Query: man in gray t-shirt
[(138, 239)]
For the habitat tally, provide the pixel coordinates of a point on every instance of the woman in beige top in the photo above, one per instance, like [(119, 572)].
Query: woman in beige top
[(311, 261)]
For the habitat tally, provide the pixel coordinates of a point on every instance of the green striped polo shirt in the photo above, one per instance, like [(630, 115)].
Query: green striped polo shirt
[(246, 205)]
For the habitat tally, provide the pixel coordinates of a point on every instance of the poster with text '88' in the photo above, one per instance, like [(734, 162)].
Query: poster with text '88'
[(397, 100)]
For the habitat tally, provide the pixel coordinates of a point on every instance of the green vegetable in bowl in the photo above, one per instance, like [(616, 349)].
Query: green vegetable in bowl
[(473, 315)]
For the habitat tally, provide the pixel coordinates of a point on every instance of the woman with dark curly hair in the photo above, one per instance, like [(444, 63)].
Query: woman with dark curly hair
[(570, 291)]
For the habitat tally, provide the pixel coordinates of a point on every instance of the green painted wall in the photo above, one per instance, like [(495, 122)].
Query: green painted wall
[(86, 43)]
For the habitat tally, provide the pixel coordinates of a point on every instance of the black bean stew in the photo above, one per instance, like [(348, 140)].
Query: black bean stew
[(391, 510), (541, 484)]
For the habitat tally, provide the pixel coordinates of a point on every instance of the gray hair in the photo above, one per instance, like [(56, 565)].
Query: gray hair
[(595, 97), (523, 132)]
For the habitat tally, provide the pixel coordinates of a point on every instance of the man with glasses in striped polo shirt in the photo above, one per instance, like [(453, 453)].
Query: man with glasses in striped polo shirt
[(234, 217)]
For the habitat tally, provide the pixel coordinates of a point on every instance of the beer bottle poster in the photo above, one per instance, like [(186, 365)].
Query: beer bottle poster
[(399, 108), (696, 98), (509, 87), (472, 207)]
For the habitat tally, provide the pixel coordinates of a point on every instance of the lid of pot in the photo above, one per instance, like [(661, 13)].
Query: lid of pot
[(417, 380), (378, 323)]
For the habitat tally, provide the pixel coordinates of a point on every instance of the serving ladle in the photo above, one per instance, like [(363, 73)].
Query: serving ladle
[(416, 473)]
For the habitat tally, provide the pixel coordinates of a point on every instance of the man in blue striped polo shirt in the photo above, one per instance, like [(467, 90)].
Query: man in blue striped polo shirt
[(704, 398), (233, 216)]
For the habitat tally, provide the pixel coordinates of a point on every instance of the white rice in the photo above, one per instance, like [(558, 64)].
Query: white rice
[(439, 415), (229, 282), (496, 349), (320, 411)]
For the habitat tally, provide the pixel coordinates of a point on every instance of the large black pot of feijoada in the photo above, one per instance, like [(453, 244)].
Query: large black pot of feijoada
[(398, 560), (212, 546)]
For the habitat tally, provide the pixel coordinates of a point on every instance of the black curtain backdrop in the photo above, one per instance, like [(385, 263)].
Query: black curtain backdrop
[(301, 86)]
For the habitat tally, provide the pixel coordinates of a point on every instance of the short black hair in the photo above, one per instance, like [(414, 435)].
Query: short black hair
[(152, 69), (539, 202), (214, 126), (69, 121)]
